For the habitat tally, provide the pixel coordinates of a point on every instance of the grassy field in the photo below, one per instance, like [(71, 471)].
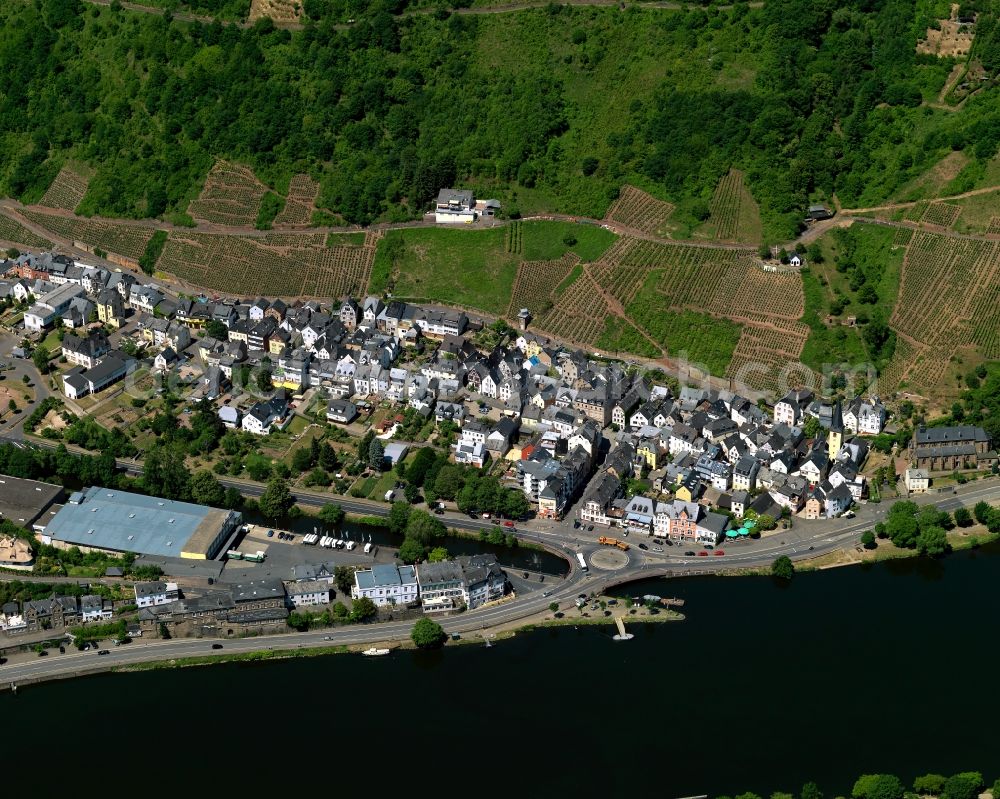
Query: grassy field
[(703, 339), (826, 344), (620, 336), (867, 248), (472, 267), (546, 241)]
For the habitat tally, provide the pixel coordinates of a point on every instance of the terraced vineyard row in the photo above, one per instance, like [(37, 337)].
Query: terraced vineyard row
[(536, 283), (895, 371), (941, 214), (941, 280), (994, 227), (767, 358), (282, 240), (14, 232), (115, 237), (243, 267), (66, 190), (638, 210), (734, 215), (231, 196), (775, 294), (579, 315), (300, 202)]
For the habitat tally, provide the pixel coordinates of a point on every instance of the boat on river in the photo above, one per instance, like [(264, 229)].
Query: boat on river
[(375, 652)]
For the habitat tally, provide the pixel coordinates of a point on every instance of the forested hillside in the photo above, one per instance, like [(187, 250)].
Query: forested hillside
[(548, 109)]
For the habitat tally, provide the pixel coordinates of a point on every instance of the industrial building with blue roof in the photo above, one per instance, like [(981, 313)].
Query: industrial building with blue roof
[(109, 520)]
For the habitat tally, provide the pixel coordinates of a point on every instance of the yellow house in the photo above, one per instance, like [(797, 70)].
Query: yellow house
[(683, 493), (647, 452), (110, 309)]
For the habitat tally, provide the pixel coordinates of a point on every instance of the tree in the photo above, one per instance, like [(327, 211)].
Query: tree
[(327, 457), (424, 528), (206, 489), (277, 499), (902, 530), (217, 330), (399, 515), (363, 609), (766, 522), (438, 555), (233, 499), (299, 621), (929, 784), (411, 550), (962, 517), (11, 405), (553, 606), (41, 357), (812, 427), (343, 576), (932, 541), (428, 634), (966, 785), (877, 786), (783, 568), (331, 514), (164, 632), (412, 494), (810, 791), (983, 512), (516, 505), (302, 460), (376, 455), (868, 539)]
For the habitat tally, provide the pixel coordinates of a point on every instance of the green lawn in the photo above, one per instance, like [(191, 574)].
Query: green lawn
[(457, 266), (472, 267), (345, 239), (380, 486), (703, 339), (620, 336), (544, 241)]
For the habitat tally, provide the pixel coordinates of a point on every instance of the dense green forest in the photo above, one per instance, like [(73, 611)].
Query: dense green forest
[(548, 109)]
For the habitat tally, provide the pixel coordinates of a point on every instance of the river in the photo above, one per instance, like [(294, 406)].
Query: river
[(886, 667)]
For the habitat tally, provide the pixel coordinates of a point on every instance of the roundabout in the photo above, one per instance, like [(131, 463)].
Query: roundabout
[(608, 559)]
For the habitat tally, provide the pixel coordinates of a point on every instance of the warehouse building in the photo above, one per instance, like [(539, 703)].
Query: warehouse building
[(108, 520), (23, 502)]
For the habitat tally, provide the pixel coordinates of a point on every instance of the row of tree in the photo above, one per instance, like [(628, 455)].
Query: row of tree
[(965, 785)]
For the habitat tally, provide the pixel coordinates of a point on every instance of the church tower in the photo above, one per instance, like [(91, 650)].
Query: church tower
[(835, 438)]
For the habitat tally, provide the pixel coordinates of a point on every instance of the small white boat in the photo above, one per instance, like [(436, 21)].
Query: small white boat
[(375, 652)]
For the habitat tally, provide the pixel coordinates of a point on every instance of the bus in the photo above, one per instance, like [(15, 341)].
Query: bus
[(582, 561)]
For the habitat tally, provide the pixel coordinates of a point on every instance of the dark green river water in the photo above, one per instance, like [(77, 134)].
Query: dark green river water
[(882, 668)]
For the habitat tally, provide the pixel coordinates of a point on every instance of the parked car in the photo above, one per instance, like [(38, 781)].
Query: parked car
[(689, 553), (703, 554), (720, 552), (508, 524), (216, 646), (270, 533), (439, 511), (590, 528), (643, 546), (657, 549), (103, 651)]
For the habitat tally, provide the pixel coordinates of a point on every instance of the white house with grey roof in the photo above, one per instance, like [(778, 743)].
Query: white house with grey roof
[(155, 592), (386, 585), (308, 593), (455, 206)]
